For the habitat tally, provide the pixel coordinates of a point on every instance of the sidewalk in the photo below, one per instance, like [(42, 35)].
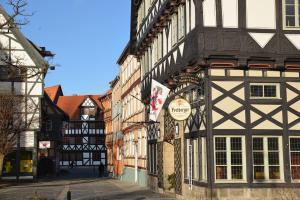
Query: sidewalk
[(4, 184)]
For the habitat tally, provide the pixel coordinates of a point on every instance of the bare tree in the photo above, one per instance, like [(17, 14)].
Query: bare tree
[(12, 123), (13, 104)]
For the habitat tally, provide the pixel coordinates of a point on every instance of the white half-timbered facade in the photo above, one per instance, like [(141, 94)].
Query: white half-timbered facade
[(237, 62), (84, 133), (20, 52)]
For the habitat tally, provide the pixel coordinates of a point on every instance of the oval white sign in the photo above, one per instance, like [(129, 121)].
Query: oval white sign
[(180, 109)]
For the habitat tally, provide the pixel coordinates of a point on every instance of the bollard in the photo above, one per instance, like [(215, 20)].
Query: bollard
[(69, 195)]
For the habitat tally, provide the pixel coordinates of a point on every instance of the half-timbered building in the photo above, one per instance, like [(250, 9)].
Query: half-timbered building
[(237, 63), (22, 72), (50, 137), (83, 134)]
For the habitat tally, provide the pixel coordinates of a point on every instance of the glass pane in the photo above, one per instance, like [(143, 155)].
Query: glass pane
[(258, 144), (221, 172), (270, 91), (290, 9), (274, 172), (256, 91), (220, 143), (258, 158), (272, 144), (236, 143), (289, 1), (273, 158), (295, 158), (236, 158), (295, 143), (236, 172), (221, 158), (290, 21), (295, 172), (259, 172)]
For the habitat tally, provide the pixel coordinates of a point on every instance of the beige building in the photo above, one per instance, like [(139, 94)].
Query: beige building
[(134, 147), (116, 126)]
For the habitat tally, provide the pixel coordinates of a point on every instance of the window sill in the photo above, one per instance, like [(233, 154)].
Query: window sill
[(230, 181), (291, 28), (268, 181)]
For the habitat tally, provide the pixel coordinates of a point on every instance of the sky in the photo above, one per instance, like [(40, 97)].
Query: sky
[(87, 36)]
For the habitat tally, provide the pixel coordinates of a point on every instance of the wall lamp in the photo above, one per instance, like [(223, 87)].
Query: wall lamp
[(177, 129)]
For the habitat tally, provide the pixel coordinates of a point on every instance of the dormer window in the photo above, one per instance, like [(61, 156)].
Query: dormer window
[(88, 110), (291, 14)]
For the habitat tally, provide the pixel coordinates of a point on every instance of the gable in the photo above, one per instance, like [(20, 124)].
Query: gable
[(22, 52), (88, 103)]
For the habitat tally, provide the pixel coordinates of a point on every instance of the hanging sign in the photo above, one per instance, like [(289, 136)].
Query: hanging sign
[(44, 144), (184, 78), (159, 93), (180, 109)]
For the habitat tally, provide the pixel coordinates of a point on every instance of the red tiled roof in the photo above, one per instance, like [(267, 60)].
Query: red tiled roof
[(71, 104), (53, 91)]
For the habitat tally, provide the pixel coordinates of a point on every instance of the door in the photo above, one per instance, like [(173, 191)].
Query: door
[(136, 163)]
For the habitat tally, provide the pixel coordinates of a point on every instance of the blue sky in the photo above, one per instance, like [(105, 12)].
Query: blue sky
[(87, 37)]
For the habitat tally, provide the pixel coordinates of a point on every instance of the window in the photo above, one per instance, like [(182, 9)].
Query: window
[(88, 113), (295, 157), (267, 158), (264, 90), (140, 142), (229, 158), (152, 158), (291, 13), (119, 155), (96, 156), (196, 159)]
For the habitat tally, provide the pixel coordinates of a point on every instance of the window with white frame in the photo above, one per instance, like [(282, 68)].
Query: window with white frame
[(267, 158), (291, 14), (140, 142), (230, 158), (196, 159), (264, 90), (145, 143), (295, 157)]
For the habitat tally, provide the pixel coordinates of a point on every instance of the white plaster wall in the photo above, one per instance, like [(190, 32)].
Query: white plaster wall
[(34, 88), (230, 13), (261, 14), (27, 139), (209, 13)]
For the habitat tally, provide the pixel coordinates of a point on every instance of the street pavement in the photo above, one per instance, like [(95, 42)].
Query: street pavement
[(81, 189)]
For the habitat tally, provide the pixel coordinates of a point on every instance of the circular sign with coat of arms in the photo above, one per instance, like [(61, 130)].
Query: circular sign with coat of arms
[(180, 109)]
